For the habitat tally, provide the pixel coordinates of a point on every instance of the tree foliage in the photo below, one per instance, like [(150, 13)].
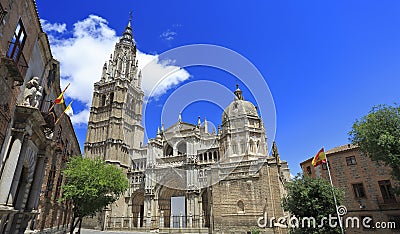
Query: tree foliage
[(378, 135), (91, 185), (311, 197)]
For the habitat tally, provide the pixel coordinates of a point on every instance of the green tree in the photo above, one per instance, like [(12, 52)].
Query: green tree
[(91, 185), (311, 197), (378, 136)]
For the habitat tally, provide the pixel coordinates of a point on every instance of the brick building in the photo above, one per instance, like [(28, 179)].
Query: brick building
[(53, 215), (367, 186), (29, 82), (19, 32)]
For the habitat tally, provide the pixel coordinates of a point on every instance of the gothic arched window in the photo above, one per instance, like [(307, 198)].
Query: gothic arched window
[(182, 148), (234, 148), (103, 100), (111, 98), (252, 147), (240, 206), (168, 150)]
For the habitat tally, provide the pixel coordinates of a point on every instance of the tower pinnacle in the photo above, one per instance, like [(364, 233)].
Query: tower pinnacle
[(127, 36)]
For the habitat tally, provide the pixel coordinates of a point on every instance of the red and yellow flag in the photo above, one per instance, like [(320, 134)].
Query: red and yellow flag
[(319, 158), (60, 98)]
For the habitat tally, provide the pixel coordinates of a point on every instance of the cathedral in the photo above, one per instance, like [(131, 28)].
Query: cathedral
[(226, 177)]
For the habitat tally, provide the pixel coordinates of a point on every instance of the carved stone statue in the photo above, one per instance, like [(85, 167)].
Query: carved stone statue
[(36, 100), (32, 93)]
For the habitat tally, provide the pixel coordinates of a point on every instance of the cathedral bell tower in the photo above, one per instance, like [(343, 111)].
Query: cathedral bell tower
[(114, 128)]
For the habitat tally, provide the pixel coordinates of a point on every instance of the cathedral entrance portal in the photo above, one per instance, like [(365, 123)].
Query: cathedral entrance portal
[(169, 202)]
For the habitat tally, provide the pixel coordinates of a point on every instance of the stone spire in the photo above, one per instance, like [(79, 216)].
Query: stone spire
[(127, 36), (205, 125), (158, 133)]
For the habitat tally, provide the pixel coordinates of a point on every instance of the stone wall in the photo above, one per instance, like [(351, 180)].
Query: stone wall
[(238, 203)]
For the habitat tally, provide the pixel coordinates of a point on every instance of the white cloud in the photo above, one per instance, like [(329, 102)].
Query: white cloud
[(159, 76), (48, 27), (81, 117), (83, 55), (168, 35)]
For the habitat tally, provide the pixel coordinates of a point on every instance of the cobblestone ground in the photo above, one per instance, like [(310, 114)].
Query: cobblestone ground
[(88, 231)]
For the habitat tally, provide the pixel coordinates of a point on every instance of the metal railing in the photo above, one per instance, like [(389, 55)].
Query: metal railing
[(15, 54), (156, 222)]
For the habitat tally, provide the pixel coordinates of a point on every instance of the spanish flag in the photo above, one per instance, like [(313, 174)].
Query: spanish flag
[(60, 98), (319, 158)]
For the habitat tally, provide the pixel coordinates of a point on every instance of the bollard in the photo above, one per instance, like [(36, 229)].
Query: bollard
[(162, 219), (148, 220), (180, 220), (190, 220)]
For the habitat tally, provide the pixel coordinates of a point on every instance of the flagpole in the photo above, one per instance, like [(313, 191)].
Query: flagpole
[(334, 196), (69, 106), (59, 118), (54, 102)]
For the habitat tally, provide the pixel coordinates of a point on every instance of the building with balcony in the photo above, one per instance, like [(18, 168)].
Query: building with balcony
[(29, 82), (368, 186)]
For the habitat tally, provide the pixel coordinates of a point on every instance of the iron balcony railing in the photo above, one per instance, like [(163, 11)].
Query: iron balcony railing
[(15, 54)]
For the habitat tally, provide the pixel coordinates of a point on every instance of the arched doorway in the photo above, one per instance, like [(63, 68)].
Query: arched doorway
[(167, 202), (171, 186), (206, 208), (138, 208)]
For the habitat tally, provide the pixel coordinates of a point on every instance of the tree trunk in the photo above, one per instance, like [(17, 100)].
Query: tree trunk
[(72, 227), (74, 224), (80, 225)]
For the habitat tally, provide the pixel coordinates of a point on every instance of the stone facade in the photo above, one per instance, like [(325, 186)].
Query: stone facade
[(29, 81), (226, 178), (20, 17), (54, 215), (367, 185)]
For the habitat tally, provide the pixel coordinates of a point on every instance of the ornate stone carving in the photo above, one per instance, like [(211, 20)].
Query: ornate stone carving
[(32, 93)]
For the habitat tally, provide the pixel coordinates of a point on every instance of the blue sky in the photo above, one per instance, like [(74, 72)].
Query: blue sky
[(326, 62)]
